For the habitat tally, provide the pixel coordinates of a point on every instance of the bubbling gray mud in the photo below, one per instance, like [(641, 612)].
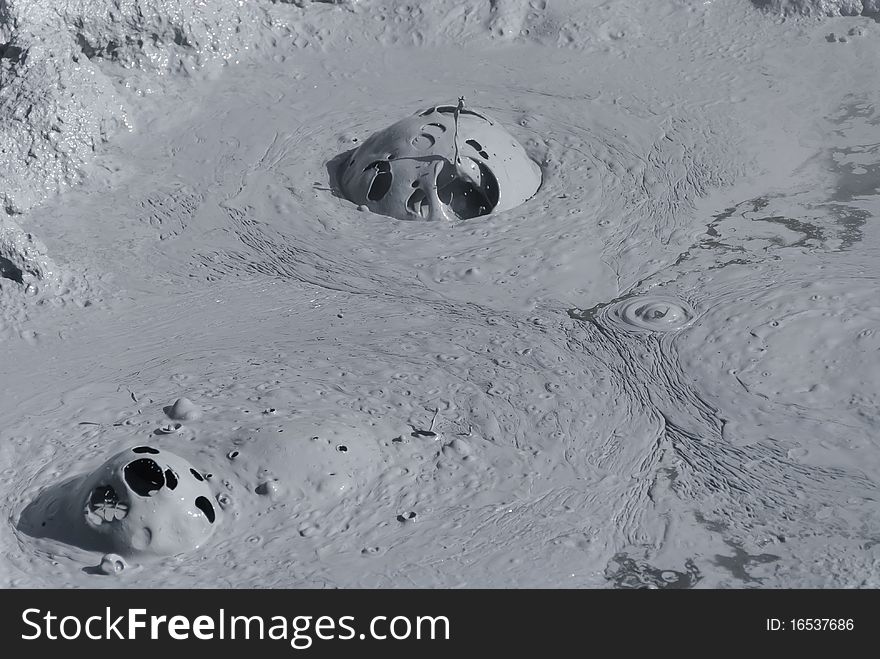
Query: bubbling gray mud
[(382, 403)]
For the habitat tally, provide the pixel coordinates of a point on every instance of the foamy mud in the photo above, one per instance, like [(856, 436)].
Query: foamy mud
[(657, 368)]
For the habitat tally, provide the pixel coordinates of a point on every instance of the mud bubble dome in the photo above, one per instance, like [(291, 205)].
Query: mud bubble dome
[(444, 163), (141, 501)]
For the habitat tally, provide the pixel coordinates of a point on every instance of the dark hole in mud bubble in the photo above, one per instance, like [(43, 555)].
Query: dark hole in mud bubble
[(145, 449), (170, 479), (418, 202), (205, 506), (103, 495), (466, 199), (105, 505), (382, 182), (196, 474), (144, 476), (478, 148)]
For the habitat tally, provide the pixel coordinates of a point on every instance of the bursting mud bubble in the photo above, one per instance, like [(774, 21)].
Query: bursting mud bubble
[(272, 292), (447, 162)]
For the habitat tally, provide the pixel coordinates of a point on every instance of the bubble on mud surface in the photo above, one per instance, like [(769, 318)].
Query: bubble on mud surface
[(183, 409), (112, 564), (129, 505), (650, 313), (169, 429), (445, 162)]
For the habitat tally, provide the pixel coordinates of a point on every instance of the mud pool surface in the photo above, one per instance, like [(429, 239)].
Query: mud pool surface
[(662, 370)]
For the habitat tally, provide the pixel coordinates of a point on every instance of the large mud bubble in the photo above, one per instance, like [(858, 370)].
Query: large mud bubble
[(445, 162), (141, 501)]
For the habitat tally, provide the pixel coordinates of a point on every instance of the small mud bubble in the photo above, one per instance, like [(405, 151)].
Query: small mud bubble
[(112, 564), (184, 409)]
